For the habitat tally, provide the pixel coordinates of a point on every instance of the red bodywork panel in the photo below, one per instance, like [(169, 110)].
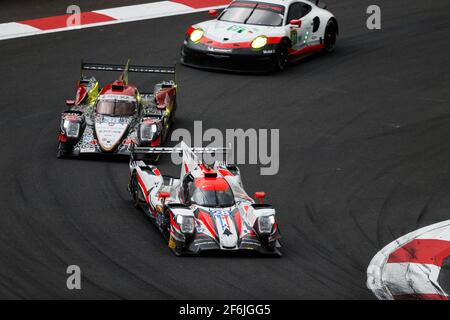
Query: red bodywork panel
[(164, 97), (217, 184), (81, 94), (119, 87), (207, 221)]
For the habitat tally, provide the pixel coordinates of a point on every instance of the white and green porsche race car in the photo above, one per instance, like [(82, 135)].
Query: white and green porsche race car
[(253, 35)]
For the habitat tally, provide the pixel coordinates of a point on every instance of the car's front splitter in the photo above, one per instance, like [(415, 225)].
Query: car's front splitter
[(203, 245), (228, 59)]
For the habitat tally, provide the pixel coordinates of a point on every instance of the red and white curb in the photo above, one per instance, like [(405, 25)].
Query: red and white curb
[(106, 16), (408, 268)]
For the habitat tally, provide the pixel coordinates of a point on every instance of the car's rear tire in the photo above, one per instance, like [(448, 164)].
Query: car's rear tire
[(61, 151), (330, 37), (166, 226), (174, 110), (281, 57), (134, 189)]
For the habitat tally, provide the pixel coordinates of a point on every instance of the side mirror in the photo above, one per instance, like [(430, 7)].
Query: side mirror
[(70, 103), (260, 195), (163, 195), (321, 5), (296, 22), (213, 13)]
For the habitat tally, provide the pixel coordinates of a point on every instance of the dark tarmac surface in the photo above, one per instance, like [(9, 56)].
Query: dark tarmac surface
[(364, 159)]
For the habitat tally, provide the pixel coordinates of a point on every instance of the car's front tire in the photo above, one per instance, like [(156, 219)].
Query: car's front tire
[(281, 56), (166, 233), (61, 151), (134, 190)]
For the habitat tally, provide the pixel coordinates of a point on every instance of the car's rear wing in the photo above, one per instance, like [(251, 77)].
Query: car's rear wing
[(158, 150), (190, 160), (127, 68)]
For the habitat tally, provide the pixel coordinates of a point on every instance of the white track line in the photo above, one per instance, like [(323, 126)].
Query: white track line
[(124, 14), (14, 30)]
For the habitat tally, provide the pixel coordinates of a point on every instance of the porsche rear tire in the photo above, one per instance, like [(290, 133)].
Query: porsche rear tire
[(330, 37)]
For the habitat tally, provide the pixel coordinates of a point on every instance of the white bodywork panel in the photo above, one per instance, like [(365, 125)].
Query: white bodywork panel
[(220, 30)]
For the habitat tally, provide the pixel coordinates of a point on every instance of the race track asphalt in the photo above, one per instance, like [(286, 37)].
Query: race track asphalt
[(364, 159)]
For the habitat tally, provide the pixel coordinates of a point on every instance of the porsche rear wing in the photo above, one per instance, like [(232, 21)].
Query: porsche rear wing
[(127, 68)]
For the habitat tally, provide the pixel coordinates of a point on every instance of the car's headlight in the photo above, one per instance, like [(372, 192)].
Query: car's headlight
[(186, 223), (259, 42), (196, 35), (71, 129), (148, 132), (265, 224)]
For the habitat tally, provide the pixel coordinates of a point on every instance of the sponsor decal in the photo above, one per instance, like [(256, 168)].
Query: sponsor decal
[(118, 97), (172, 244), (262, 6), (71, 116), (199, 228), (222, 216), (87, 149), (212, 49)]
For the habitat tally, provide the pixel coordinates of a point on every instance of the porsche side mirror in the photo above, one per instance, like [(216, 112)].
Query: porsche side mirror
[(321, 5), (260, 195), (296, 22), (213, 13), (70, 103)]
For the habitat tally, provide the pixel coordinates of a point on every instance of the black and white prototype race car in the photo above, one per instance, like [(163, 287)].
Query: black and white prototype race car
[(113, 119), (205, 208), (253, 35)]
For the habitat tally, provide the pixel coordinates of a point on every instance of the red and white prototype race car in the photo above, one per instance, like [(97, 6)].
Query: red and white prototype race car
[(253, 35), (110, 120), (206, 208)]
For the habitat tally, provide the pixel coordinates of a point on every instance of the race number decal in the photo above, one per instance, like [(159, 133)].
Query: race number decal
[(294, 36), (236, 29)]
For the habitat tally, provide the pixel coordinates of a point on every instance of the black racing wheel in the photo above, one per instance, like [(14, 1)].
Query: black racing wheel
[(134, 189), (166, 225), (330, 37), (281, 56), (62, 150)]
